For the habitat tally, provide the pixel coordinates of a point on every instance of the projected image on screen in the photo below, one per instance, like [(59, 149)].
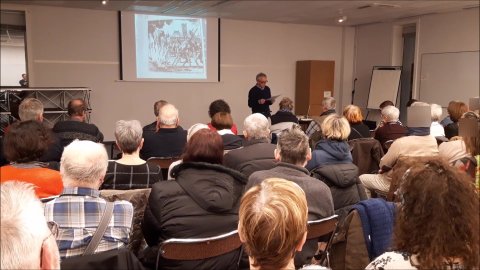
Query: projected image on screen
[(170, 47)]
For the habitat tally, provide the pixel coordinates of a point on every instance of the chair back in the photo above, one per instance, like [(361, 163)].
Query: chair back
[(199, 248), (366, 154), (323, 227), (164, 163)]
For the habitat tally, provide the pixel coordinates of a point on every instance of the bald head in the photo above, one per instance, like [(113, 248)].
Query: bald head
[(76, 109), (168, 116)]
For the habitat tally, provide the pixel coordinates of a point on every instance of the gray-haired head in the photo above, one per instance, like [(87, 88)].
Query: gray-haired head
[(83, 163), (436, 112), (30, 109), (128, 134), (390, 113), (256, 126), (24, 231), (293, 147), (329, 103), (168, 115), (194, 128)]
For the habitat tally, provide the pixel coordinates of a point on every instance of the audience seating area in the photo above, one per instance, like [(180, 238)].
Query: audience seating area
[(351, 241)]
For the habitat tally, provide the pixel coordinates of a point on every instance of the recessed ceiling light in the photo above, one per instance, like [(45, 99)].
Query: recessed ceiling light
[(341, 19), (104, 2)]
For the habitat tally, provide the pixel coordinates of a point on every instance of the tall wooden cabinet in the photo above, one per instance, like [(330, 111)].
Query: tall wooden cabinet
[(314, 81)]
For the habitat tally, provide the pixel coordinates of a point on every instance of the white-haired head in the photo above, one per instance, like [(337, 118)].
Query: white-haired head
[(329, 103), (194, 128), (24, 231), (83, 164), (256, 126), (390, 113), (168, 115), (436, 111), (128, 135)]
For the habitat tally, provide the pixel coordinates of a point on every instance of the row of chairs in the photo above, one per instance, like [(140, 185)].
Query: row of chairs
[(204, 248)]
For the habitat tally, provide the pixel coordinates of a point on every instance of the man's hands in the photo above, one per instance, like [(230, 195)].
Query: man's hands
[(262, 101)]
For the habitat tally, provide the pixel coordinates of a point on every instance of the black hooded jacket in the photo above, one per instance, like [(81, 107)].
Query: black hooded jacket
[(202, 201)]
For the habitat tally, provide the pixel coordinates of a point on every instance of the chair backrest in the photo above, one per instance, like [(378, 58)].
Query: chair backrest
[(199, 248), (164, 163), (279, 127), (139, 199), (320, 227), (366, 154), (323, 227)]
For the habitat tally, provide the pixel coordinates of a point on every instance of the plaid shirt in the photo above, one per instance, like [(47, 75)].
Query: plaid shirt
[(78, 212), (312, 128)]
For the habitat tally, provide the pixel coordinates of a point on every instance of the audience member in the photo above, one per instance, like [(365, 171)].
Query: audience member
[(385, 104), (332, 164), (257, 151), (293, 152), (436, 129), (223, 122), (455, 111), (192, 130), (411, 101), (204, 193), (419, 143), (130, 171), (77, 127), (156, 110), (24, 144), (284, 113), (446, 121), (26, 241), (333, 149), (273, 223), (461, 146), (381, 106), (217, 106), (170, 138), (32, 109), (354, 116), (328, 107), (79, 208), (437, 223), (392, 129)]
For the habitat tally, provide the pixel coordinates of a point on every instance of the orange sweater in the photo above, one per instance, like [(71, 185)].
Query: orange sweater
[(47, 182)]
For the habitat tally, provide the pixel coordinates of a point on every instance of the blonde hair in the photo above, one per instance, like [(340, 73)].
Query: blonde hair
[(335, 127), (353, 114), (272, 222)]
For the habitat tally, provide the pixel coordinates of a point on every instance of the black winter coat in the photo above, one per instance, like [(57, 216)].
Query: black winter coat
[(202, 201)]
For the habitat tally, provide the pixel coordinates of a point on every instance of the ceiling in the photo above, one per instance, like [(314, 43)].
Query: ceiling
[(301, 12)]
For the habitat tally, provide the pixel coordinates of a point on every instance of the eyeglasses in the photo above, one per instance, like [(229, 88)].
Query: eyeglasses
[(262, 82)]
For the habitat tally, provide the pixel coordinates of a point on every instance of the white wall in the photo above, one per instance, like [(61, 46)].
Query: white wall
[(449, 32), (76, 47), (378, 44), (12, 60)]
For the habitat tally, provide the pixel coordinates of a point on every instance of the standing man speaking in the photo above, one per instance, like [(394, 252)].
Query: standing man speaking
[(259, 97)]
